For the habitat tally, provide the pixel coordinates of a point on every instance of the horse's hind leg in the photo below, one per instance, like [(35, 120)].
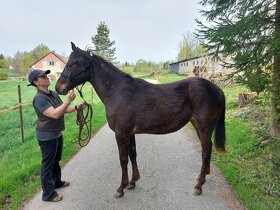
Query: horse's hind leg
[(194, 123), (132, 155), (206, 144)]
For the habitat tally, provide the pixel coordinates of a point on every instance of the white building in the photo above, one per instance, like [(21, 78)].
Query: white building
[(205, 65)]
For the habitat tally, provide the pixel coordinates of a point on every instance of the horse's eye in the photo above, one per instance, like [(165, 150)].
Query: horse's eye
[(72, 64)]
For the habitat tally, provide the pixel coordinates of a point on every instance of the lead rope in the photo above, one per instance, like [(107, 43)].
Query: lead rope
[(84, 120)]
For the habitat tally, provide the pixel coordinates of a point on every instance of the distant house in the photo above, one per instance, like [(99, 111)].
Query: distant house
[(51, 61), (205, 65)]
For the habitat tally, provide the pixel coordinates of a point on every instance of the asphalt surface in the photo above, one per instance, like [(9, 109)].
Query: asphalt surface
[(168, 165)]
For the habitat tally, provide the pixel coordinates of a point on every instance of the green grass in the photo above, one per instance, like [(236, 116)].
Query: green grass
[(248, 165), (20, 163), (163, 76)]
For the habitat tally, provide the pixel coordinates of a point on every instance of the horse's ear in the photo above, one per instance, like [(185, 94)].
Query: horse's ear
[(74, 48)]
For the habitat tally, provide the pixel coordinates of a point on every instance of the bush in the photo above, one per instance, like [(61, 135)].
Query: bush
[(128, 69), (3, 76), (4, 63)]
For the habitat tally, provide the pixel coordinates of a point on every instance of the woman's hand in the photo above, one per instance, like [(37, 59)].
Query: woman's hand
[(81, 106), (71, 96)]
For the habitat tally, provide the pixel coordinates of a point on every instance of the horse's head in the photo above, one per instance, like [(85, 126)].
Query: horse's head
[(75, 72)]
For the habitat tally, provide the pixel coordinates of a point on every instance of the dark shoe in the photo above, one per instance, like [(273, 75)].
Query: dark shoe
[(65, 184), (57, 198)]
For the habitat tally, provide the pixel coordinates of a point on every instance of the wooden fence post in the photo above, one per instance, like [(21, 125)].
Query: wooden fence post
[(20, 113)]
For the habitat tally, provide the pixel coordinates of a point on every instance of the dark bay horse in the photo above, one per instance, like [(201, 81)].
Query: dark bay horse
[(135, 106)]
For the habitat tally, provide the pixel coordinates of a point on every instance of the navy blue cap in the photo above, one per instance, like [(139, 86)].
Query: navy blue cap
[(34, 74)]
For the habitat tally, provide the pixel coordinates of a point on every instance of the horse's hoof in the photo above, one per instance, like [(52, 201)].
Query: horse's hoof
[(118, 194), (130, 186), (197, 191)]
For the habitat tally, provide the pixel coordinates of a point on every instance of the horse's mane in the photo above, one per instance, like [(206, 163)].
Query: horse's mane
[(90, 52)]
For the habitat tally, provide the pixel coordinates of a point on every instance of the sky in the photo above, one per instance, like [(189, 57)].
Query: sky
[(142, 29)]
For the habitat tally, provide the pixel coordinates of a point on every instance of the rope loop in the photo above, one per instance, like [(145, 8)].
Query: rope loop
[(84, 121)]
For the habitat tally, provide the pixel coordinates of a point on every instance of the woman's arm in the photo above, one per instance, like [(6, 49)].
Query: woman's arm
[(56, 113)]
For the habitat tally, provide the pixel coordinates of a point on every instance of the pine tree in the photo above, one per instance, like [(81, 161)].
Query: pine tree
[(102, 43), (249, 31)]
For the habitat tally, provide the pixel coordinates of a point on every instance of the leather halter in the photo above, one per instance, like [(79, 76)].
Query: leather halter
[(70, 77)]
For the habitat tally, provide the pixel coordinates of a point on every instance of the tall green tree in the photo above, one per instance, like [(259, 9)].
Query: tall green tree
[(189, 47), (249, 31), (103, 46)]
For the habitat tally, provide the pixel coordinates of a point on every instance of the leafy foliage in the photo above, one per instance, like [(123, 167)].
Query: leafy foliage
[(40, 51), (103, 45), (249, 32), (23, 60), (3, 75), (245, 30), (4, 63), (189, 47)]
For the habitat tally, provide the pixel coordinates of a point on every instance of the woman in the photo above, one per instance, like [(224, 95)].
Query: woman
[(50, 111)]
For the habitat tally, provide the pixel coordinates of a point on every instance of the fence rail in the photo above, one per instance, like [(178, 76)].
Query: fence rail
[(15, 107)]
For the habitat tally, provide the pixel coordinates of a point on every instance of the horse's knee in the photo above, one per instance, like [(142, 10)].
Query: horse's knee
[(123, 160)]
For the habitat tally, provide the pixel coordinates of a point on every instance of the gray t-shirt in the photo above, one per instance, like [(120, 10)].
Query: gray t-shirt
[(42, 105)]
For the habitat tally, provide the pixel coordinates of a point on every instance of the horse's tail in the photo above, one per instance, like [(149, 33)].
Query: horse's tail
[(220, 133)]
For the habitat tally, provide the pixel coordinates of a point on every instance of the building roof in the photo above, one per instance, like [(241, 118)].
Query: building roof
[(51, 52), (189, 59)]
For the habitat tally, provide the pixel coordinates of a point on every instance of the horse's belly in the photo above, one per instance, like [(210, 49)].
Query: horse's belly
[(160, 127)]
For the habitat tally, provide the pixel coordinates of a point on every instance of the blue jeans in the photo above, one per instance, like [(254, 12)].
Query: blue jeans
[(50, 170)]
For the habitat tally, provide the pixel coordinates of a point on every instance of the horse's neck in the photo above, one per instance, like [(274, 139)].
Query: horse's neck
[(105, 80)]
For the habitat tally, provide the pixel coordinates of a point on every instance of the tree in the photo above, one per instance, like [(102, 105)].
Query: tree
[(26, 61), (249, 31), (103, 45), (40, 51), (141, 66), (16, 61), (4, 63), (189, 47)]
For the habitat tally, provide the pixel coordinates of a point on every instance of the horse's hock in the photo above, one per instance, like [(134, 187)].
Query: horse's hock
[(245, 98)]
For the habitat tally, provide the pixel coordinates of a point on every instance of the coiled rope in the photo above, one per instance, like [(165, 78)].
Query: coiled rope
[(84, 121)]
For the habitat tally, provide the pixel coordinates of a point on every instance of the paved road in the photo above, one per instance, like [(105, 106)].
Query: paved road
[(168, 165)]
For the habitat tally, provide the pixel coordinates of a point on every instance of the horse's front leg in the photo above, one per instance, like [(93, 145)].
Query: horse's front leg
[(123, 145), (132, 155)]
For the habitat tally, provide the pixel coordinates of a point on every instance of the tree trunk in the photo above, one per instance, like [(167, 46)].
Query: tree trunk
[(275, 90)]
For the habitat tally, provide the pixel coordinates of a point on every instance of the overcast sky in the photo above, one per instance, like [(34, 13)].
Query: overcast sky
[(142, 29)]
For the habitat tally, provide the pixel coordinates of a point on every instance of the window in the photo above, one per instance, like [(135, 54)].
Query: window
[(51, 63)]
